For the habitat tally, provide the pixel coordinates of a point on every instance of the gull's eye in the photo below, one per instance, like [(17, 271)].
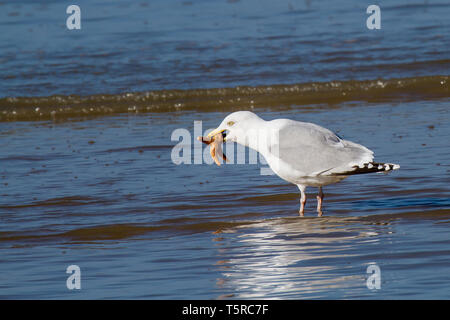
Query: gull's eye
[(230, 123)]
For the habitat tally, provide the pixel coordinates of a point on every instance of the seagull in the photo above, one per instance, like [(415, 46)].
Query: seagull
[(301, 153)]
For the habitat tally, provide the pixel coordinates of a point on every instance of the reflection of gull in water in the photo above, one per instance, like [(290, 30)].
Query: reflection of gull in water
[(288, 258), (302, 153)]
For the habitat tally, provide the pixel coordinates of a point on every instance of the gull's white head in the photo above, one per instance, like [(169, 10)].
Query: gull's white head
[(238, 126)]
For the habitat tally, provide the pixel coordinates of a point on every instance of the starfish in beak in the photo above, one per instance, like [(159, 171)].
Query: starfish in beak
[(215, 140)]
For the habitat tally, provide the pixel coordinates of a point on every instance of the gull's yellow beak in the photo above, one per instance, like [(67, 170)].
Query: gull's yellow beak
[(217, 131)]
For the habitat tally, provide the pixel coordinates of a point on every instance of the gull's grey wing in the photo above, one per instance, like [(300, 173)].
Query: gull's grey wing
[(314, 150)]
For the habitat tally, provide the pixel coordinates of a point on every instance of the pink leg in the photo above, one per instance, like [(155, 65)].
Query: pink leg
[(319, 202), (302, 200)]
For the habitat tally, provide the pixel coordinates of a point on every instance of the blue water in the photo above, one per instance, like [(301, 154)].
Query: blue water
[(149, 45), (140, 226), (104, 193)]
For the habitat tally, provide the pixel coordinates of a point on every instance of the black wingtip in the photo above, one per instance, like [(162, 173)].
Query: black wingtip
[(372, 167)]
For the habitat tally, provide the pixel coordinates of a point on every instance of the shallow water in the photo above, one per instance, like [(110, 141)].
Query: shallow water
[(87, 175), (104, 194)]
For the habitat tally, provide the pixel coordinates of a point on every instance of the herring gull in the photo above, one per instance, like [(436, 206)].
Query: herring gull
[(302, 153)]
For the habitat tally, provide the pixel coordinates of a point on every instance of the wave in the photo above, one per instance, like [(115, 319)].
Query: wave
[(186, 225), (60, 107), (118, 231)]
